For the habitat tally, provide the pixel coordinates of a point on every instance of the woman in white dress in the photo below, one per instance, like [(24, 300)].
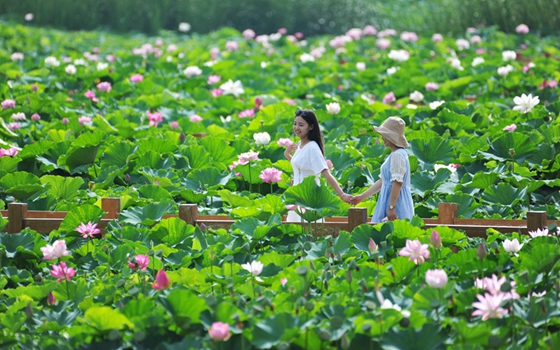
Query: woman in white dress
[(308, 156)]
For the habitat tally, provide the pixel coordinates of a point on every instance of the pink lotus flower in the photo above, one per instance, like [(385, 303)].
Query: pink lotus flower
[(246, 157), (174, 125), (283, 281), (271, 175), (65, 121), (382, 43), (289, 101), (162, 281), (480, 51), (213, 79), (386, 32), (298, 35), (14, 126), (285, 142), (136, 78), (91, 95), (511, 127), (232, 45), (9, 152), (431, 86), (104, 86), (435, 240), (6, 104), (19, 116), (219, 331), (258, 103), (291, 206), (552, 84), (488, 306), (55, 251), (88, 230), (282, 31), (141, 262), (416, 251), (522, 29), (35, 117), (195, 118), (389, 98), (437, 38), (155, 118), (369, 30), (248, 34), (372, 247), (62, 272), (409, 36), (248, 113), (17, 56), (475, 39), (436, 278), (51, 300), (84, 119), (217, 92)]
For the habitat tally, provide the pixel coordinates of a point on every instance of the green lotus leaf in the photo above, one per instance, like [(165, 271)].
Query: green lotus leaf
[(154, 160), (278, 259), (219, 150), (104, 318), (423, 181), (270, 331), (13, 243), (62, 188), (21, 185), (50, 158), (510, 145), (81, 214), (505, 194), (191, 196), (483, 180), (8, 165), (75, 291), (147, 215), (540, 255), (117, 153), (314, 197), (206, 179), (466, 204), (83, 151), (235, 200), (34, 149), (362, 234), (432, 150), (184, 303), (107, 176), (173, 232), (156, 193), (157, 145)]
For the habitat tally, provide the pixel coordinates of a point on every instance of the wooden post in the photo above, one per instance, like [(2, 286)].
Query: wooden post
[(447, 213), (189, 213), (112, 206), (356, 217), (536, 220), (16, 217)]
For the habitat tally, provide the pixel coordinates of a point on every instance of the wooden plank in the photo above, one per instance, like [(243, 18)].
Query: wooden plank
[(188, 213), (447, 213), (16, 217), (536, 220), (356, 217), (45, 226), (112, 206)]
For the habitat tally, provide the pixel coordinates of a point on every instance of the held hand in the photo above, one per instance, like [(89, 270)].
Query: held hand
[(356, 199), (391, 215), (347, 198)]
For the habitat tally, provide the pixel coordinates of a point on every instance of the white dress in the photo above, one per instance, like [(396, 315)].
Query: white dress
[(307, 160)]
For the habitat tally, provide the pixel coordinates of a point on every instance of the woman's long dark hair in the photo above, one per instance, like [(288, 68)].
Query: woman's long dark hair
[(315, 133)]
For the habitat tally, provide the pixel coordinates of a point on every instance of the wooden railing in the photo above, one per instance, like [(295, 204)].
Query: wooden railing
[(46, 221)]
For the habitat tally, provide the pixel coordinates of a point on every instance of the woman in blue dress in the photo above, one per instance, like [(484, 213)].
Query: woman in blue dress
[(395, 198)]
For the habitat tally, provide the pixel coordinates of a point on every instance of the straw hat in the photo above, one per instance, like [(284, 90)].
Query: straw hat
[(393, 130)]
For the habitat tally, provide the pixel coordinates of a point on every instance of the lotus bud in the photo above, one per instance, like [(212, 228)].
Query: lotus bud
[(344, 342), (182, 137), (435, 240), (373, 248), (127, 177), (481, 251), (28, 311), (51, 300), (258, 103), (349, 276)]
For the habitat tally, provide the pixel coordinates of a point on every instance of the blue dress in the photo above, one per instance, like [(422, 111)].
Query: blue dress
[(401, 172)]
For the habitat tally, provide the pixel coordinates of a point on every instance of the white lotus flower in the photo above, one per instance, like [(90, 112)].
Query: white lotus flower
[(416, 96), (399, 55), (80, 62), (462, 44), (262, 138), (184, 27), (361, 66), (476, 61), (52, 61), (512, 246), (509, 55), (525, 103), (102, 65), (191, 71), (307, 58), (436, 104), (333, 108), (504, 71), (70, 69), (232, 88), (456, 63), (392, 70), (255, 267)]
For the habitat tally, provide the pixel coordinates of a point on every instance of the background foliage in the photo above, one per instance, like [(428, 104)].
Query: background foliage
[(311, 17)]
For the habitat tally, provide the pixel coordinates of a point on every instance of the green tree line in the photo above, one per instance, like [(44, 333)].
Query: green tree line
[(312, 17)]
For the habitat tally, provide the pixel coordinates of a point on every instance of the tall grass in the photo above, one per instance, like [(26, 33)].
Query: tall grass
[(311, 17)]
